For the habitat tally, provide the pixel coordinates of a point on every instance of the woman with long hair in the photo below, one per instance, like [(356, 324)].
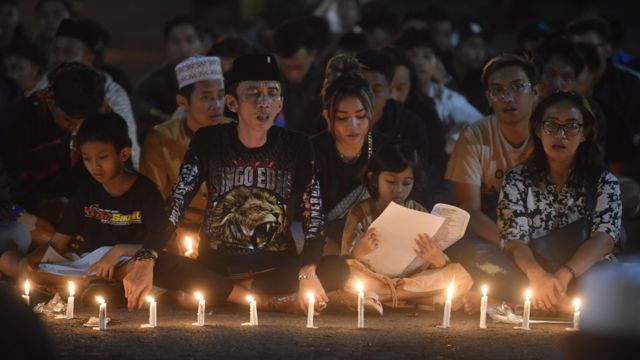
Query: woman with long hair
[(343, 149), (559, 213)]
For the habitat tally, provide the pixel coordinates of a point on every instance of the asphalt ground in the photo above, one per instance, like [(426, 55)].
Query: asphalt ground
[(399, 334)]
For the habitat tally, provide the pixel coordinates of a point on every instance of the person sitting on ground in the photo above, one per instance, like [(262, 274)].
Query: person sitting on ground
[(228, 48), (48, 15), (156, 94), (343, 150), (110, 217), (25, 63), (393, 174), (562, 182), (405, 88), (616, 88), (201, 96), (37, 148), (469, 56), (453, 108), (260, 179), (394, 119), (486, 150), (76, 40), (294, 45)]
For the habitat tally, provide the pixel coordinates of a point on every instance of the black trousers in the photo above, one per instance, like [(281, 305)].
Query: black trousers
[(215, 283)]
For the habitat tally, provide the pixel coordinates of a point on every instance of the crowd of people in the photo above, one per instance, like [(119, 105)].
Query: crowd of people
[(275, 150)]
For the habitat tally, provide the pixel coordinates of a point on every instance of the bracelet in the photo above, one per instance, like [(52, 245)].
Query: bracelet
[(309, 275), (570, 270), (144, 254)]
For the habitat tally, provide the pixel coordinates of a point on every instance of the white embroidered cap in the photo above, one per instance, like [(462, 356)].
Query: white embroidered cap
[(198, 68)]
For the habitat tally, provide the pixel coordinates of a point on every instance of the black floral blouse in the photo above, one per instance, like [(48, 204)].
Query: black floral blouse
[(527, 211)]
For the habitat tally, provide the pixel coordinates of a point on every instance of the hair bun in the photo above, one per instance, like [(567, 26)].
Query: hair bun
[(342, 65)]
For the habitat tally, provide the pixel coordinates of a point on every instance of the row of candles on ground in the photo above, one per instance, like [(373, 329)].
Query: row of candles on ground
[(253, 310)]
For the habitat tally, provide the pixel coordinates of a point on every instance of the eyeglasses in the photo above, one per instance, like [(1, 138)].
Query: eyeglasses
[(554, 128), (499, 92)]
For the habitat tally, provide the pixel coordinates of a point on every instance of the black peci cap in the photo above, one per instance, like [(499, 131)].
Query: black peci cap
[(255, 67)]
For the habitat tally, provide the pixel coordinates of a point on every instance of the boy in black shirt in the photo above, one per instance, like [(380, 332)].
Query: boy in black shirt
[(114, 214)]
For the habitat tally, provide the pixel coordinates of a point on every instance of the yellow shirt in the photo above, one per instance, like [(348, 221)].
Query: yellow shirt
[(162, 154)]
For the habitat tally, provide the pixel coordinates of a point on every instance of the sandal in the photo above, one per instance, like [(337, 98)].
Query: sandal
[(372, 304)]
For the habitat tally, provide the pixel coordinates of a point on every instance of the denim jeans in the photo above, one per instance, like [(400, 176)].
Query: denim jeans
[(14, 235), (488, 264)]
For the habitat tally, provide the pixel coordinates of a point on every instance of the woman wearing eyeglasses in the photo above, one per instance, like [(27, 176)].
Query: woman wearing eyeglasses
[(559, 213)]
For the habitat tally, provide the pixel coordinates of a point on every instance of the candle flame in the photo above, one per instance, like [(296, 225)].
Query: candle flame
[(359, 286), (27, 287), (250, 299), (485, 288), (450, 291), (100, 299), (198, 296), (310, 295), (150, 299), (188, 243), (577, 303), (72, 288), (527, 295)]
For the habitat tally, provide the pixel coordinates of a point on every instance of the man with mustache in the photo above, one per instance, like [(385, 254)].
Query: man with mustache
[(246, 239)]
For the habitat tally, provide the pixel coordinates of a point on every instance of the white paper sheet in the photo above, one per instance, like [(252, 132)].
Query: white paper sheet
[(454, 226), (59, 265), (397, 229)]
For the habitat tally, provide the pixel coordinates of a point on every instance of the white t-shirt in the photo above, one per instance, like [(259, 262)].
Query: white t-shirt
[(482, 156)]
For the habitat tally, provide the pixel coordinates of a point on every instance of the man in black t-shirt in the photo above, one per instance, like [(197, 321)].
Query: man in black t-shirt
[(260, 179)]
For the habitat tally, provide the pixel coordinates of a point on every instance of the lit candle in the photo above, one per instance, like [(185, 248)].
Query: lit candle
[(253, 311), (576, 314), (527, 309), (71, 300), (360, 289), (200, 309), (446, 317), (310, 309), (483, 308), (153, 311), (27, 287), (102, 315), (188, 242)]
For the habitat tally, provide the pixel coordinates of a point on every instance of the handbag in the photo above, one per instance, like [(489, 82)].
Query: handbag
[(557, 247)]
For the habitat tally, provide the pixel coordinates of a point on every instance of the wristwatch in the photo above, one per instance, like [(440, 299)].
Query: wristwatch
[(309, 275)]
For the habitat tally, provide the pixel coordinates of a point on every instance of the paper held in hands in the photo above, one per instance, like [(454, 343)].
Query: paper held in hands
[(397, 229)]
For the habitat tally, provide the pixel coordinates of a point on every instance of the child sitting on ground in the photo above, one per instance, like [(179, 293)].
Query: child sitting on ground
[(392, 174), (113, 214)]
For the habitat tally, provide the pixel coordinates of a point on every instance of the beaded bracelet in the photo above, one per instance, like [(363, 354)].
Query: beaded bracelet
[(570, 269)]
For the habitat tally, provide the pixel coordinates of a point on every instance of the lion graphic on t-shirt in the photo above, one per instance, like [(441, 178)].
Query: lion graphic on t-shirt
[(249, 218)]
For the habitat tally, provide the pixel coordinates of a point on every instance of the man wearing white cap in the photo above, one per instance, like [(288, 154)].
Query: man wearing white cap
[(201, 96)]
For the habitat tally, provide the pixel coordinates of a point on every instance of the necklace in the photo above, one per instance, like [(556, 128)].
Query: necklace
[(351, 159)]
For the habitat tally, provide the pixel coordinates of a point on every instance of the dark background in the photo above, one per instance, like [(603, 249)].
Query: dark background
[(136, 25)]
